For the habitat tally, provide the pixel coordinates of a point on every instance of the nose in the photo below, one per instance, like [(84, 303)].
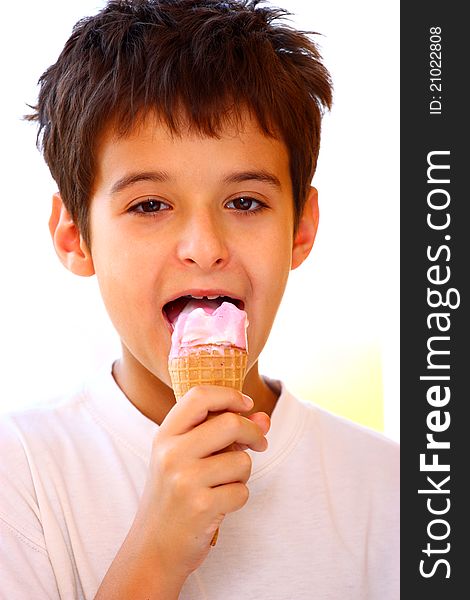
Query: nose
[(203, 243)]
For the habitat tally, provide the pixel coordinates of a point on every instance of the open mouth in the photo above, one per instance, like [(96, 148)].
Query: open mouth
[(173, 309)]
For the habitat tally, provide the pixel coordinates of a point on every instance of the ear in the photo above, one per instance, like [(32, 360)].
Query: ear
[(306, 230), (68, 242)]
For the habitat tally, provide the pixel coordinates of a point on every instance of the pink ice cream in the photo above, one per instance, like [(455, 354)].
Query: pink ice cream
[(205, 322)]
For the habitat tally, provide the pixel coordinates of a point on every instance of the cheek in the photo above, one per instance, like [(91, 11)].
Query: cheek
[(124, 278), (278, 257), (271, 268)]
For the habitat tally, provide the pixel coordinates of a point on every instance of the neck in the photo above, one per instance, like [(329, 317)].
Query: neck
[(153, 398)]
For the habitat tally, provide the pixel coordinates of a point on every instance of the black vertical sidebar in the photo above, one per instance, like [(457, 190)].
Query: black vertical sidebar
[(435, 333)]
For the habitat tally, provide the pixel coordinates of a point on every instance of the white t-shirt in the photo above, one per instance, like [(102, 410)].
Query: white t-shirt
[(321, 521)]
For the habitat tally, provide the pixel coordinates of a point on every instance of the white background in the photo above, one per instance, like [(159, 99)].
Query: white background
[(343, 301)]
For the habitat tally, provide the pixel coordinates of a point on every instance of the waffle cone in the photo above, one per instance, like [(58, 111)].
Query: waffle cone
[(207, 365)]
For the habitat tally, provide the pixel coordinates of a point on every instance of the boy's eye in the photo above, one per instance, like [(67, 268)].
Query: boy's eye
[(244, 203), (151, 205)]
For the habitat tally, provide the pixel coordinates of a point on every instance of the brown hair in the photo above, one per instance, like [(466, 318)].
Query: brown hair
[(205, 59)]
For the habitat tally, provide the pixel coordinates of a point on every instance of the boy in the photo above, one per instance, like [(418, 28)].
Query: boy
[(183, 136)]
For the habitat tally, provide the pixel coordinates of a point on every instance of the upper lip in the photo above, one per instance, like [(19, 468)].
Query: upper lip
[(203, 292)]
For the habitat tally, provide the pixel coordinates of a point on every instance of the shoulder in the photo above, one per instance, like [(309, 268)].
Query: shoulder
[(22, 433), (36, 438), (349, 450), (44, 421), (343, 434), (71, 414), (360, 469)]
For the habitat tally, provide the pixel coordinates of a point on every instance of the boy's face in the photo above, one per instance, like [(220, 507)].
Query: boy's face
[(172, 216)]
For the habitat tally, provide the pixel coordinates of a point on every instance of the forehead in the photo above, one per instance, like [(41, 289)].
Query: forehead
[(151, 143)]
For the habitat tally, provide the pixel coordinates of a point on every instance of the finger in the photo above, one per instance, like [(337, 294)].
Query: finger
[(193, 408), (230, 497), (220, 432), (262, 420), (220, 469)]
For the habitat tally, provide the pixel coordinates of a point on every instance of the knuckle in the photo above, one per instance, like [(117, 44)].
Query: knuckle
[(201, 503), (181, 484), (243, 494), (192, 395), (231, 422), (167, 458), (245, 461), (198, 398)]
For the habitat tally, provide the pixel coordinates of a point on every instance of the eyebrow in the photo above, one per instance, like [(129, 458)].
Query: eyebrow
[(162, 176), (263, 176), (127, 180)]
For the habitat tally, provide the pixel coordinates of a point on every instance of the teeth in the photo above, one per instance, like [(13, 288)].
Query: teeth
[(208, 297)]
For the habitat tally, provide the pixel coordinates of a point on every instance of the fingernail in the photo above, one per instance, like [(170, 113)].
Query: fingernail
[(248, 402)]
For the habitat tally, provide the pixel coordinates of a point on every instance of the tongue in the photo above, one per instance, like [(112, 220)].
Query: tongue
[(177, 307), (209, 306)]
